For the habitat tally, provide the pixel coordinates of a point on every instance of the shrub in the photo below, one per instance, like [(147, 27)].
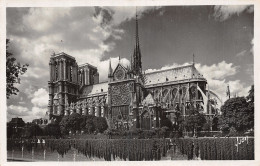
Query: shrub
[(52, 130), (32, 130), (167, 123), (71, 122), (100, 124)]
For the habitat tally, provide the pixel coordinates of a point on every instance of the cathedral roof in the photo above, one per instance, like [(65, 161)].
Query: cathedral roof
[(95, 89), (173, 74)]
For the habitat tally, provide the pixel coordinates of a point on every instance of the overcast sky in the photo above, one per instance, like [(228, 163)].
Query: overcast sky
[(221, 37)]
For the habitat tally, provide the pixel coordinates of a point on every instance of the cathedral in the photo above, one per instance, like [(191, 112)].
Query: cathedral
[(130, 98)]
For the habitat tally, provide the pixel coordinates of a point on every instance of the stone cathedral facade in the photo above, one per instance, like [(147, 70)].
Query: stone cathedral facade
[(129, 98)]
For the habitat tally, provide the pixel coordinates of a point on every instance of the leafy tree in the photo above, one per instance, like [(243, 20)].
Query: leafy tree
[(206, 126), (215, 126), (32, 130), (89, 126), (13, 70), (52, 130), (166, 123), (15, 127), (250, 96), (194, 121), (100, 124), (71, 122), (237, 113), (64, 125)]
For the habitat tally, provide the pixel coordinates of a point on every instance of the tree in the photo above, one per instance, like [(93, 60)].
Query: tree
[(165, 122), (64, 125), (52, 130), (70, 123), (215, 126), (194, 121), (87, 124), (237, 114), (32, 130), (13, 70), (100, 124), (251, 106), (15, 127), (250, 96)]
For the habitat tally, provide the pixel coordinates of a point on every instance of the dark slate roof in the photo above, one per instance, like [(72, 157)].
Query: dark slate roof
[(94, 89)]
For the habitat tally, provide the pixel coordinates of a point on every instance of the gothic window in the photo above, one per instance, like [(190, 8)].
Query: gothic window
[(119, 74), (71, 73), (120, 94), (56, 71)]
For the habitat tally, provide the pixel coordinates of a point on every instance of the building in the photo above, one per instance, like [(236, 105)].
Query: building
[(130, 98), (15, 127)]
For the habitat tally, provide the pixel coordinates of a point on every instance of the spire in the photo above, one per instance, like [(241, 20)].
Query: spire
[(136, 30), (193, 59), (228, 92), (137, 59), (131, 64), (110, 69)]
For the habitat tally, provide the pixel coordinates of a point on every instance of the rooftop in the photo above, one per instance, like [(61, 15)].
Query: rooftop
[(95, 89), (173, 74), (64, 54), (87, 64)]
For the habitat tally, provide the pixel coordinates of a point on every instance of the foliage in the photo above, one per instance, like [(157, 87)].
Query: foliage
[(100, 124), (166, 123), (13, 70), (28, 144), (15, 127), (237, 113), (52, 130), (87, 123), (131, 149), (147, 149), (64, 125), (70, 123), (206, 126), (250, 96), (215, 126), (195, 120), (177, 126), (32, 130), (216, 148)]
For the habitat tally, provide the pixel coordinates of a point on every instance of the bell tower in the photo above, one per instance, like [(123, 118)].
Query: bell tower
[(63, 83)]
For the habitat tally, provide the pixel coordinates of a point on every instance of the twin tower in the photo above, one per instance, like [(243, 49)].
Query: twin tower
[(66, 78)]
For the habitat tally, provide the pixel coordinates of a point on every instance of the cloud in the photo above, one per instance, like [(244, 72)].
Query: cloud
[(17, 110), (165, 67), (41, 19), (218, 75), (38, 112), (222, 13), (40, 98), (218, 71)]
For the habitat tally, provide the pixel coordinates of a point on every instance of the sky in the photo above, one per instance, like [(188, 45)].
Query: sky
[(220, 37)]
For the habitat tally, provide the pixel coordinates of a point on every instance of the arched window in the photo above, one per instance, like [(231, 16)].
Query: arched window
[(71, 73), (56, 72)]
